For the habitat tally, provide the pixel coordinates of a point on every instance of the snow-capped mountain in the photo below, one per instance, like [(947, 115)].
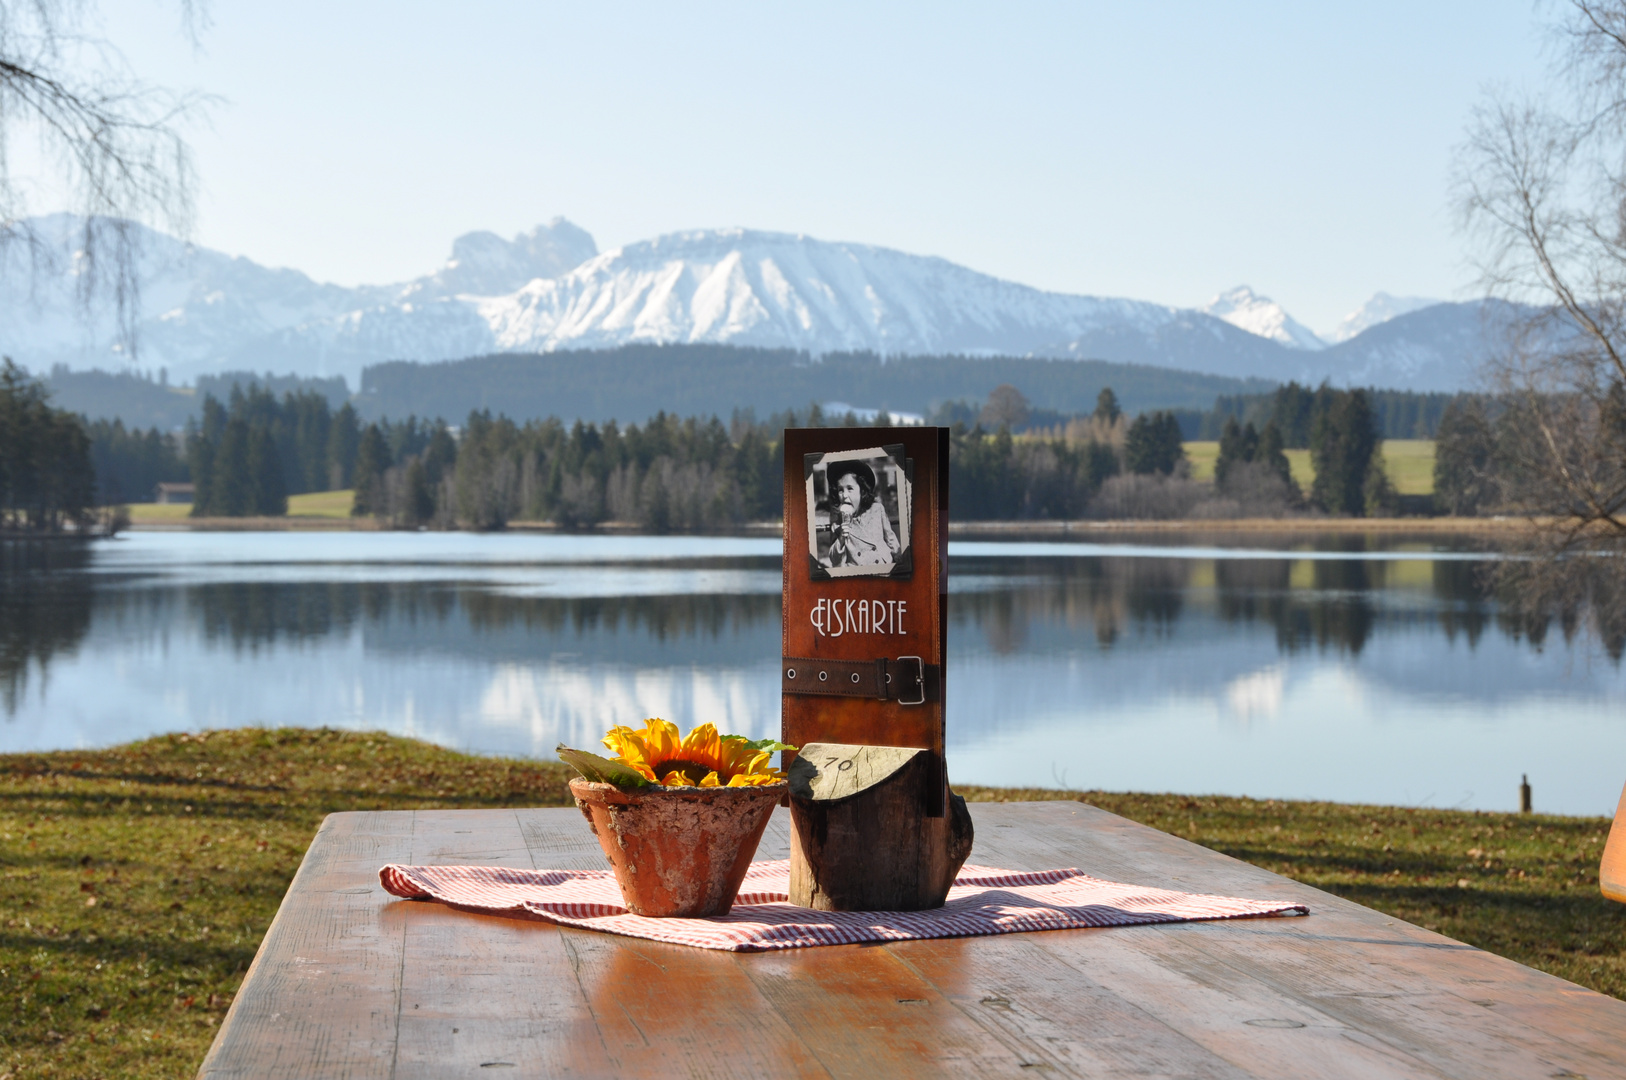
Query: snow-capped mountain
[(1247, 310), (203, 311), (743, 287), (1376, 311), (484, 264)]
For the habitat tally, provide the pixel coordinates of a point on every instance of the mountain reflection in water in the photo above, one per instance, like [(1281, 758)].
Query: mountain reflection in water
[(1377, 677)]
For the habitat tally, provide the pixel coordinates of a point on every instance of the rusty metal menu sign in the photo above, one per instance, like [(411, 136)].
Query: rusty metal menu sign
[(866, 530)]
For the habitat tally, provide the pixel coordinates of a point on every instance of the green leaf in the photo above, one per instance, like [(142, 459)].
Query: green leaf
[(762, 744), (601, 770)]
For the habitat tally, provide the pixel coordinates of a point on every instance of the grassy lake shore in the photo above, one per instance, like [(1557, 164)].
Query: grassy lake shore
[(136, 882), (1488, 529)]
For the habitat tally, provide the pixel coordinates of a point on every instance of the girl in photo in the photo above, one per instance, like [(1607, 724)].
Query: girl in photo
[(862, 535)]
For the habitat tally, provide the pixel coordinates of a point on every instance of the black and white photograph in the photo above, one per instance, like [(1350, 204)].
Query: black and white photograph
[(858, 513)]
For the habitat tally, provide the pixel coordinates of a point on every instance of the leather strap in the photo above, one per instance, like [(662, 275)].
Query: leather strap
[(906, 679)]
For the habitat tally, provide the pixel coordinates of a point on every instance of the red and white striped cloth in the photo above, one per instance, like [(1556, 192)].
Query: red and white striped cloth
[(982, 901)]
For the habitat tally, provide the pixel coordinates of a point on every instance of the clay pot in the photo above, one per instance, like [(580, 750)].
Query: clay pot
[(678, 851)]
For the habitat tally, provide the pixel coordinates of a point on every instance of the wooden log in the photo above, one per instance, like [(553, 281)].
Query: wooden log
[(862, 838)]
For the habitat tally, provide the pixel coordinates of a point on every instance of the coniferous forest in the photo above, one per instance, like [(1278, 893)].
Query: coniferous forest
[(247, 454), (47, 481)]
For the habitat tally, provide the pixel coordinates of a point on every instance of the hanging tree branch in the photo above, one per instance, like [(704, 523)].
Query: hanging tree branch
[(111, 147)]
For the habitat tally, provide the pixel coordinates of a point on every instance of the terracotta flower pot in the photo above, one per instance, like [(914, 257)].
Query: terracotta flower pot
[(678, 851)]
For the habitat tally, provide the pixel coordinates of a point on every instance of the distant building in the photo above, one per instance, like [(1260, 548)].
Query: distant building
[(174, 493)]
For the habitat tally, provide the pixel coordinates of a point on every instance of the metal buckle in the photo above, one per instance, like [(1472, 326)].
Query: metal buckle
[(920, 681)]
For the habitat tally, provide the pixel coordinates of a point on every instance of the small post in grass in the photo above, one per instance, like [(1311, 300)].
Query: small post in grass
[(1612, 868), (1524, 794)]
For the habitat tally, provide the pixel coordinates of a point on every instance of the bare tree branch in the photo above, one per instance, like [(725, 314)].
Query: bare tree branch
[(113, 146)]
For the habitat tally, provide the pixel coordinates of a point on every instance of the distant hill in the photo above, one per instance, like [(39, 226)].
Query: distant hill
[(634, 382), (143, 402)]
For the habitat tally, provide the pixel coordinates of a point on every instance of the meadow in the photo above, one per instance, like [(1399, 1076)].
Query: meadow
[(1409, 463), (315, 506)]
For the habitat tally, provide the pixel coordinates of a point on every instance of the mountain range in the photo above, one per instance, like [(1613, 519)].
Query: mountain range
[(550, 289)]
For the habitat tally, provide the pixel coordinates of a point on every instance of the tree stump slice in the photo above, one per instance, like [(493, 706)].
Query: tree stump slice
[(862, 838)]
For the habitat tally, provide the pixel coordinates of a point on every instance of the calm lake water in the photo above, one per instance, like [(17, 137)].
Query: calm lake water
[(1374, 676)]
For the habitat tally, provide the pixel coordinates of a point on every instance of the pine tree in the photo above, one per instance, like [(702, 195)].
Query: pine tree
[(1171, 443), (1106, 406), (1238, 446), (344, 437), (267, 494), (1343, 446), (308, 420), (1271, 453), (231, 484), (1154, 444), (440, 455), (46, 475), (372, 458), (202, 446), (420, 499), (1293, 411), (1140, 446)]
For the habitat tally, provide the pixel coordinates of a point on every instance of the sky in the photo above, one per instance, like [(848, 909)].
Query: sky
[(1162, 151)]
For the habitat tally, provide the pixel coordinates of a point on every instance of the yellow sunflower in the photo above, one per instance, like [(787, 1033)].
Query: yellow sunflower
[(701, 758)]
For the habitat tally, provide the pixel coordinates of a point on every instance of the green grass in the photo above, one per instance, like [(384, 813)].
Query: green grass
[(316, 504), (1202, 456), (1409, 463), (159, 513), (136, 882), (322, 504)]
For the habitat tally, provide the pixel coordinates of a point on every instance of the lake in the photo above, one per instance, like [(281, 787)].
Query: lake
[(1311, 670)]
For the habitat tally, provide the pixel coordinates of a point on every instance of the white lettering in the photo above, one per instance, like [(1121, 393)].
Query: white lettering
[(833, 618)]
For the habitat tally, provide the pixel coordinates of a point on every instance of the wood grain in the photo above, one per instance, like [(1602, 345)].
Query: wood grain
[(827, 772), (351, 982), (861, 839)]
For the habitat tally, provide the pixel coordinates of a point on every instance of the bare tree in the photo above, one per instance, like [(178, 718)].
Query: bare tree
[(109, 143), (1541, 186), (1006, 408)]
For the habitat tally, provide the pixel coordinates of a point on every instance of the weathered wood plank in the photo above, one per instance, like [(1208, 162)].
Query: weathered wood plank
[(666, 1010), (864, 1013), (1036, 1004), (479, 992), (351, 982), (1407, 994), (326, 954)]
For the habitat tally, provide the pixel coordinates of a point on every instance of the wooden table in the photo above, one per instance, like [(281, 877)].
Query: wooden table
[(351, 982)]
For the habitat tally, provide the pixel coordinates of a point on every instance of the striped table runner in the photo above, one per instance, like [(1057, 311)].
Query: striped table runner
[(982, 901)]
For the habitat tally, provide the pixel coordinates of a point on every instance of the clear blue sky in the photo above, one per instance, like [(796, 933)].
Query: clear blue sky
[(1159, 151)]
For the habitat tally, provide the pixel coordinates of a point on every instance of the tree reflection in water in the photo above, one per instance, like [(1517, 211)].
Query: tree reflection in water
[(48, 604), (1323, 604), (45, 605), (50, 601)]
